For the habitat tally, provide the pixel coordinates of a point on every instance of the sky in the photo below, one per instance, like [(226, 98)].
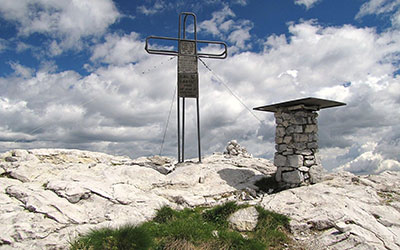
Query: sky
[(74, 74)]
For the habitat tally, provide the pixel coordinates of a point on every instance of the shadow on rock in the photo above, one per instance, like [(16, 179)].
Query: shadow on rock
[(239, 178)]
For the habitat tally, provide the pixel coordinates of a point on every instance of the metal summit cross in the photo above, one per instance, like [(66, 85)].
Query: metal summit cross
[(188, 76)]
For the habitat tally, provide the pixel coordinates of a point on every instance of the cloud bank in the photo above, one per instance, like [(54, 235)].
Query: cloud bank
[(307, 3), (68, 23), (121, 106)]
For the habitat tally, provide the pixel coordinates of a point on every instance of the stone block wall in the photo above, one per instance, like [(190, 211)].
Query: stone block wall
[(296, 139)]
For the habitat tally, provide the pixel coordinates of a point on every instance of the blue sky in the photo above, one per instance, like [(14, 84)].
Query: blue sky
[(74, 74)]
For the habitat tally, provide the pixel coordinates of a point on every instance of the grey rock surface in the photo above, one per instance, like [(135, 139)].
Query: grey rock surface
[(234, 149), (343, 211), (244, 220), (50, 196)]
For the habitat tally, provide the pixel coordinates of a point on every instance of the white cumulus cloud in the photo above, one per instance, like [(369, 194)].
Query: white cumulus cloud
[(382, 7), (223, 26), (307, 3), (157, 7), (122, 106), (119, 50), (68, 22)]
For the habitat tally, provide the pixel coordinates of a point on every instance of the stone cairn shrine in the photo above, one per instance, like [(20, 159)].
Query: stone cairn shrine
[(296, 140)]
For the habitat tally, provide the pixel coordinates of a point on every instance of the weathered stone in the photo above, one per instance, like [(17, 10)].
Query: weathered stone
[(234, 142), (293, 177), (294, 129), (300, 138), (312, 145), (304, 169), (285, 124), (234, 149), (305, 152), (281, 148), (313, 137), (73, 192), (295, 161), (162, 164), (317, 173), (280, 131), (288, 151), (311, 129), (298, 145), (299, 113), (298, 129), (287, 169), (299, 120), (278, 174), (287, 139), (286, 116), (244, 220), (10, 159), (289, 130), (309, 163), (338, 214), (159, 160), (278, 140), (279, 160)]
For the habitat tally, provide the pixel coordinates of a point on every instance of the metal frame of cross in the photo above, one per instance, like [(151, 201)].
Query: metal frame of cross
[(188, 78)]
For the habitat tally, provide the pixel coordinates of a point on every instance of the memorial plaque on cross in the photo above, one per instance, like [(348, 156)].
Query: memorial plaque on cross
[(188, 76)]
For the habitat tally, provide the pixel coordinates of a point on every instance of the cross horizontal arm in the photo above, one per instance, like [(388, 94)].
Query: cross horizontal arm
[(160, 51), (221, 55)]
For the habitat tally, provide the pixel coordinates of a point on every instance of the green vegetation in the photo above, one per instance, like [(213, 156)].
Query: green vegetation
[(198, 228), (389, 196), (124, 238)]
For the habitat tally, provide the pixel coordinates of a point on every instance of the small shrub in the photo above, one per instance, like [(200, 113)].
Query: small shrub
[(220, 214), (271, 228), (164, 215), (235, 240), (94, 240), (130, 237), (124, 238)]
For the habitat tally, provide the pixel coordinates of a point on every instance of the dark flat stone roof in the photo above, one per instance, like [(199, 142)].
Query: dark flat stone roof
[(311, 102)]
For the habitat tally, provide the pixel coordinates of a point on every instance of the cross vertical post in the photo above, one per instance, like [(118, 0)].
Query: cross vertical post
[(188, 76)]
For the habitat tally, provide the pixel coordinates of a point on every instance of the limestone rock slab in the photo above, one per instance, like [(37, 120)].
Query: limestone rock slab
[(342, 213), (53, 195), (244, 220)]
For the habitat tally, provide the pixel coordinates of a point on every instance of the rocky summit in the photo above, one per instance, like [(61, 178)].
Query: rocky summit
[(50, 196)]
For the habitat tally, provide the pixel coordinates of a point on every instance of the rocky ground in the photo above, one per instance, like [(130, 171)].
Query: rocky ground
[(49, 196)]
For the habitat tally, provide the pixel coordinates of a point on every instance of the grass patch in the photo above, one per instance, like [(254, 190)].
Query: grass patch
[(198, 228), (272, 228), (124, 238), (219, 214)]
